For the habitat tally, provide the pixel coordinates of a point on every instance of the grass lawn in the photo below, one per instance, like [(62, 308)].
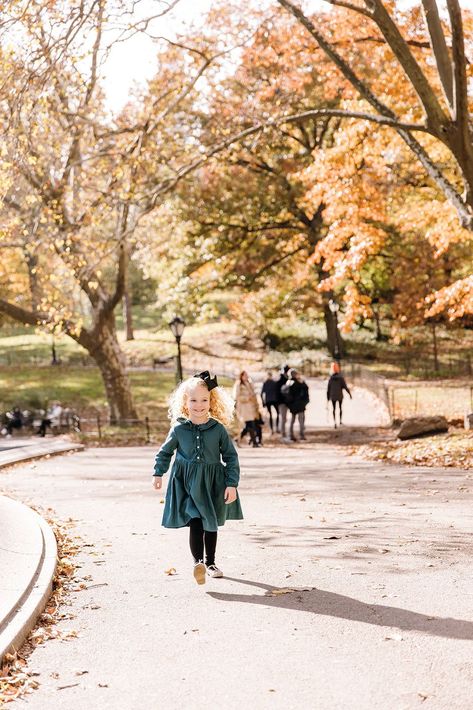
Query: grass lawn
[(451, 399), (79, 387), (82, 389)]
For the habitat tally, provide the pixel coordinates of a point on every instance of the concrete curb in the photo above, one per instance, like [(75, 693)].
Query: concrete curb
[(27, 453), (28, 553), (24, 591)]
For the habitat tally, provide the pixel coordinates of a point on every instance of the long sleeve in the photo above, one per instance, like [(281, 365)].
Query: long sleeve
[(230, 459), (306, 394), (345, 386), (164, 455), (263, 393)]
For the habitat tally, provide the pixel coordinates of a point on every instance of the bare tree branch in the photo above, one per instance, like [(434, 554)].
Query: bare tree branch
[(460, 92), (464, 208), (23, 315), (350, 6), (439, 48), (436, 118)]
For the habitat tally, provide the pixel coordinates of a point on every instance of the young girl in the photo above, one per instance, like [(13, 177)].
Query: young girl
[(202, 491)]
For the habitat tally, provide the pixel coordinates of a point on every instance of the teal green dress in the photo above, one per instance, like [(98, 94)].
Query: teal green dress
[(206, 463)]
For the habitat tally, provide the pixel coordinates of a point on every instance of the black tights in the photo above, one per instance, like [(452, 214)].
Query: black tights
[(334, 405), (197, 537)]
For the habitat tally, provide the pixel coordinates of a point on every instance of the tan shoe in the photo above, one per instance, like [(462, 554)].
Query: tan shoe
[(199, 572)]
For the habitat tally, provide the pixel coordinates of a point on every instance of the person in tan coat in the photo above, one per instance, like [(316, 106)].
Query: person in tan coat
[(247, 408)]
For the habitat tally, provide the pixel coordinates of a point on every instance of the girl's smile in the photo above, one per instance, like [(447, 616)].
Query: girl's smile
[(198, 404)]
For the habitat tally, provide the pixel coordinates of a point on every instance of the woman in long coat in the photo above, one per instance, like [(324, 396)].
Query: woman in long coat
[(246, 405)]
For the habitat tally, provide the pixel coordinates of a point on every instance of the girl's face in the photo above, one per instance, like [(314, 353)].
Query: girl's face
[(244, 377), (198, 404)]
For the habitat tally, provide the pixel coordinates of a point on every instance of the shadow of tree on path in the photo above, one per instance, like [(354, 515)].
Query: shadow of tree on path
[(339, 606)]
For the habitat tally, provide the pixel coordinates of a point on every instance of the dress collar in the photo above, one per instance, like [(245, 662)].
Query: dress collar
[(201, 427)]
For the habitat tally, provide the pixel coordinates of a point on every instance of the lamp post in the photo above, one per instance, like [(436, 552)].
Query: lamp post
[(334, 308), (177, 326)]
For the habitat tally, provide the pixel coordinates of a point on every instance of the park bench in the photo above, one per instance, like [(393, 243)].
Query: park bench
[(160, 361)]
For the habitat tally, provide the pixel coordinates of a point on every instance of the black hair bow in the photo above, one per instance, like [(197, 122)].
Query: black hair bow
[(211, 382)]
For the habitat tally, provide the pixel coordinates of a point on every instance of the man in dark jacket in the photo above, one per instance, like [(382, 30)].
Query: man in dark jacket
[(282, 404), (335, 387), (270, 396), (297, 397)]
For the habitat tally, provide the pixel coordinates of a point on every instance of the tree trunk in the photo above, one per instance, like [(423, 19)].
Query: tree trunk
[(334, 339), (377, 320), (435, 348), (104, 348), (128, 315)]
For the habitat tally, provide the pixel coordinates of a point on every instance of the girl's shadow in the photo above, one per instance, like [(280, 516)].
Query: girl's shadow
[(325, 603)]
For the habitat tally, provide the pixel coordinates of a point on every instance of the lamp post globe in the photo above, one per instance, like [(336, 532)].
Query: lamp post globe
[(177, 326)]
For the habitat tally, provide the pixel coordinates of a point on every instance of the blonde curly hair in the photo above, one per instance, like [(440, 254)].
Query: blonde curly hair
[(222, 405)]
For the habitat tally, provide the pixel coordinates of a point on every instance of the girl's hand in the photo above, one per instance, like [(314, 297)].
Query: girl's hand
[(157, 482), (230, 495)]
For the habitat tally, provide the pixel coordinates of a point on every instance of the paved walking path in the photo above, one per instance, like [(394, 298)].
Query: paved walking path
[(363, 410), (379, 557)]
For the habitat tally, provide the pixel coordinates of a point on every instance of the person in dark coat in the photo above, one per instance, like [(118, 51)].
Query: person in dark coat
[(282, 404), (269, 397), (14, 420), (335, 387), (297, 396)]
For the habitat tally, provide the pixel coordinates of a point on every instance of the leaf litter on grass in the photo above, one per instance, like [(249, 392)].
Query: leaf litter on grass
[(15, 678), (454, 449)]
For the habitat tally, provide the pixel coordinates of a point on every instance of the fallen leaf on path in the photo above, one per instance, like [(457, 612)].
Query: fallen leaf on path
[(333, 537), (287, 590), (282, 590), (393, 637), (72, 634), (170, 571)]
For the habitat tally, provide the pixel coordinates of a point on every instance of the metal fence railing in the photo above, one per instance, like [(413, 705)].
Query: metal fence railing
[(361, 376), (453, 401)]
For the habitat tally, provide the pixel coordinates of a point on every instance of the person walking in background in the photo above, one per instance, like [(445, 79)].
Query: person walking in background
[(335, 387), (269, 397), (297, 396), (282, 404), (246, 406)]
